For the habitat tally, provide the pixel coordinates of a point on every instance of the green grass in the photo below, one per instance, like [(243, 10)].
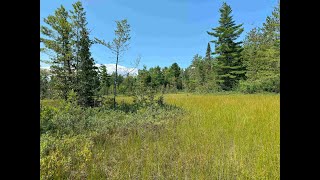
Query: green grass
[(230, 136), (220, 137)]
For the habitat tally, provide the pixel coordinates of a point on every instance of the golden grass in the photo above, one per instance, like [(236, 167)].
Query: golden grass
[(221, 137)]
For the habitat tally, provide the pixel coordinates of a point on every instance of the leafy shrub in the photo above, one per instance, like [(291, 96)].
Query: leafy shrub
[(46, 116), (69, 132), (146, 97), (66, 118), (69, 118), (266, 84), (65, 158)]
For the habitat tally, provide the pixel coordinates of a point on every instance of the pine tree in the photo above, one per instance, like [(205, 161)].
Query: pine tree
[(156, 77), (144, 77), (105, 80), (58, 41), (208, 52), (230, 67), (87, 75), (176, 75), (271, 28)]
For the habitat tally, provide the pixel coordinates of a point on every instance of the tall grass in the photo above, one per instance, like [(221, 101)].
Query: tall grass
[(219, 137), (222, 137), (230, 136)]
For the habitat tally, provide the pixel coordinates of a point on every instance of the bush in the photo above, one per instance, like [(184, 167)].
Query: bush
[(46, 116), (146, 97), (65, 158), (65, 118), (69, 132), (266, 84), (70, 119)]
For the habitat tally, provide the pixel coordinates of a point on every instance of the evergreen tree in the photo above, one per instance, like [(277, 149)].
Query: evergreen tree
[(156, 77), (166, 77), (144, 77), (104, 80), (262, 56), (208, 64), (58, 40), (208, 52), (176, 72), (230, 67), (87, 75)]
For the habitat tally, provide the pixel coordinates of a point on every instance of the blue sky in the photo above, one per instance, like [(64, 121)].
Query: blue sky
[(162, 31)]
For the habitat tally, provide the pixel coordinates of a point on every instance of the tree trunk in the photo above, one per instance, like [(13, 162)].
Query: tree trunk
[(115, 84)]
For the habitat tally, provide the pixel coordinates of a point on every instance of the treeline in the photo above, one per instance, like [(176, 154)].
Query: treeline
[(249, 66)]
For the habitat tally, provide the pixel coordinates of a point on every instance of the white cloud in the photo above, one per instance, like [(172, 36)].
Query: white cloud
[(121, 69), (112, 68)]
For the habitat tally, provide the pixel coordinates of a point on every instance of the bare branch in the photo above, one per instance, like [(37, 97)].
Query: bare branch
[(134, 65)]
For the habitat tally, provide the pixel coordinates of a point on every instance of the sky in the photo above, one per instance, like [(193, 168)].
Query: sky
[(162, 31)]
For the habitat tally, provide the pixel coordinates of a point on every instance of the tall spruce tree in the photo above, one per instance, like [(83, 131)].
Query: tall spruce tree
[(87, 75), (58, 35), (208, 63), (208, 52), (230, 68)]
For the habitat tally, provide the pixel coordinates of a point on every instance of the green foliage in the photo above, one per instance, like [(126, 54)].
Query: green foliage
[(87, 76), (58, 35), (146, 97), (262, 57), (200, 76), (72, 67), (44, 84), (208, 52), (46, 115), (69, 133), (105, 81), (230, 68), (83, 135), (253, 67), (65, 158), (153, 142), (129, 85), (67, 117), (161, 79), (175, 72)]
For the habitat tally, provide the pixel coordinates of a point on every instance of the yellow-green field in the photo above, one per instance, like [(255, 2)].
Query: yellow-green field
[(220, 137)]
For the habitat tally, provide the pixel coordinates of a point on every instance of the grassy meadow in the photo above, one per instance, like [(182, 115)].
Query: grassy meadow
[(106, 116), (229, 136), (222, 136), (217, 137)]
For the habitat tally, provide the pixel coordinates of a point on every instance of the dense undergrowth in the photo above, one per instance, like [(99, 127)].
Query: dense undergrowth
[(71, 135)]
